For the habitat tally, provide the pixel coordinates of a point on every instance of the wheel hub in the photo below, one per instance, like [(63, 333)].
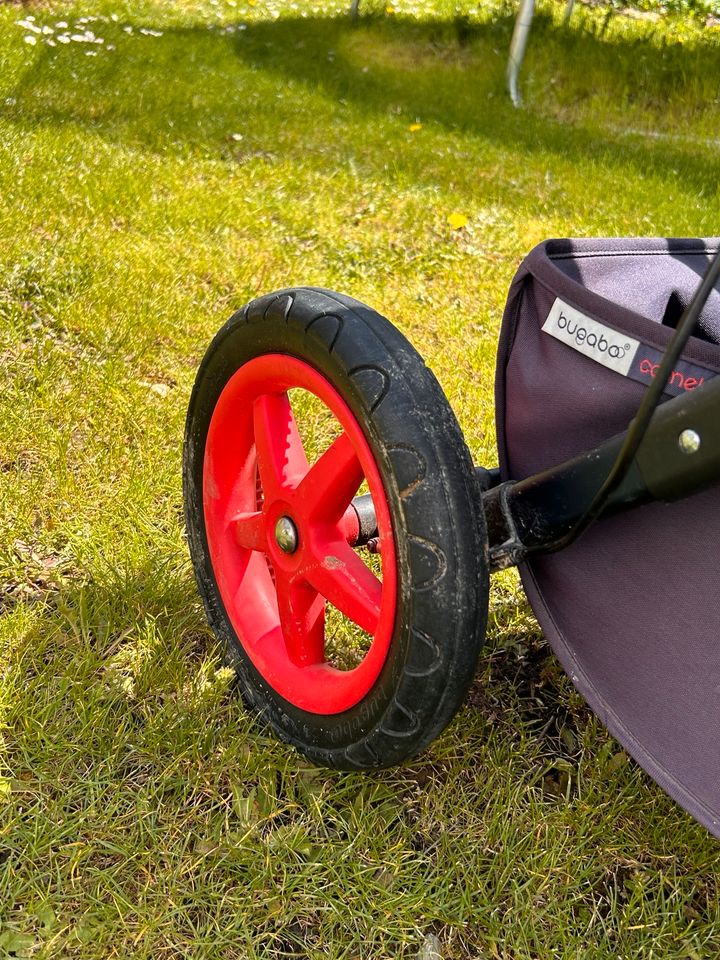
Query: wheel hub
[(286, 535)]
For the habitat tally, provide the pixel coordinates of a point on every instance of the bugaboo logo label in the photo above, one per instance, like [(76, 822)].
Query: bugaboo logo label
[(591, 338), (631, 358)]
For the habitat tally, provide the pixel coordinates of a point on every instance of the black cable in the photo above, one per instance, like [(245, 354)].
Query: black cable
[(641, 421)]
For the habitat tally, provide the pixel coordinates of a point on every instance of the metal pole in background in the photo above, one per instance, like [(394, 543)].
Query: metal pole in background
[(517, 47)]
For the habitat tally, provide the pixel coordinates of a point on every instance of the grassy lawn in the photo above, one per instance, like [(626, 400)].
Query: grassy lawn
[(205, 152)]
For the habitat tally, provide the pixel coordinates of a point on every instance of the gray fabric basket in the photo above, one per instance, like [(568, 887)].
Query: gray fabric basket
[(633, 608)]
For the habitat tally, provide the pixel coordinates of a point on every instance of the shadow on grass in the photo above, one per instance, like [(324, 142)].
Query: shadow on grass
[(101, 659), (128, 664), (327, 91)]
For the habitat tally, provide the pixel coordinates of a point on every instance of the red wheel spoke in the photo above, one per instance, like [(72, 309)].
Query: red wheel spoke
[(302, 621), (332, 482), (344, 580), (279, 534), (279, 450), (249, 529)]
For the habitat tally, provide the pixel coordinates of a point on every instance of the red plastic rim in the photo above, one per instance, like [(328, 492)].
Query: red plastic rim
[(277, 608)]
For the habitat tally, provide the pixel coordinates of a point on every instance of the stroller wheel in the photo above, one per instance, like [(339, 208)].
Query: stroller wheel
[(359, 657)]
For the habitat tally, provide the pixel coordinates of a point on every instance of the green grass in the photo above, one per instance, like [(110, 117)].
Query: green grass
[(146, 192)]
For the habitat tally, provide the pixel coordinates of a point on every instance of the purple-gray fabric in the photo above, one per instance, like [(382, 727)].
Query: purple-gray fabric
[(632, 609)]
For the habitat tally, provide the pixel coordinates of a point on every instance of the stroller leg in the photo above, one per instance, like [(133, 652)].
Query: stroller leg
[(679, 455), (517, 47)]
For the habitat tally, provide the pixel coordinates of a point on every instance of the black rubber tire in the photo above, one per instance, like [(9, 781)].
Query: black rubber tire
[(434, 500)]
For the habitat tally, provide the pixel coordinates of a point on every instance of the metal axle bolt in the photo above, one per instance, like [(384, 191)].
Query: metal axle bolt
[(286, 535), (689, 441)]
